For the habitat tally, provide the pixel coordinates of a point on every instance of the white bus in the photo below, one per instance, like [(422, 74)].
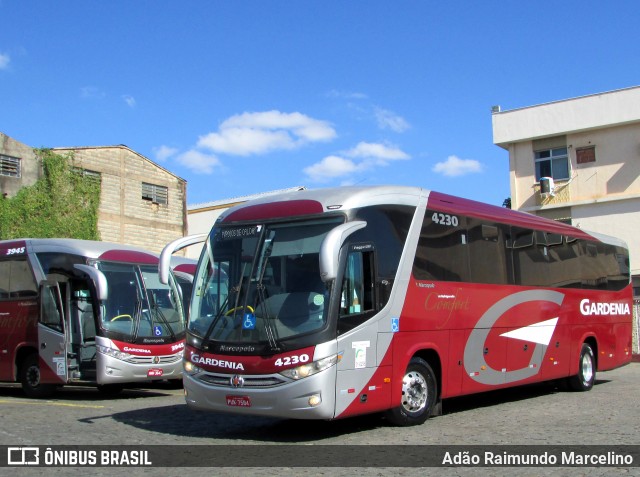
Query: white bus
[(86, 311)]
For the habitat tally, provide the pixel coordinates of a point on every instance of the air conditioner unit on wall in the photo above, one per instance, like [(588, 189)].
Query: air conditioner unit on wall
[(547, 188)]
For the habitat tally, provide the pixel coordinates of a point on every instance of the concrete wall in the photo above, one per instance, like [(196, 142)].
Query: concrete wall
[(124, 217), (570, 115), (29, 166)]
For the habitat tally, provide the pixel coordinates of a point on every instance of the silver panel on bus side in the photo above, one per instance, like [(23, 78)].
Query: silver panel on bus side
[(373, 339)]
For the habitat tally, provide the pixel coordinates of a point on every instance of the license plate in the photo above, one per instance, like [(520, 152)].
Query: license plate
[(154, 373), (238, 401)]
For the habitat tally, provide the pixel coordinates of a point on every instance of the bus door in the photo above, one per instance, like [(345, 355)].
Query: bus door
[(357, 389), (83, 332), (52, 339)]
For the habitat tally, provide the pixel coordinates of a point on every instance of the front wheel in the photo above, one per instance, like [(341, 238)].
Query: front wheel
[(583, 381), (419, 395), (30, 379)]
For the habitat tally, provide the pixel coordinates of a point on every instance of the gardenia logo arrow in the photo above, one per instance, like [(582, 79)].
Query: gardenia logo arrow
[(536, 333)]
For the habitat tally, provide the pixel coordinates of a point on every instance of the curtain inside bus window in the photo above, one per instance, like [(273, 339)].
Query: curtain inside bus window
[(489, 261)]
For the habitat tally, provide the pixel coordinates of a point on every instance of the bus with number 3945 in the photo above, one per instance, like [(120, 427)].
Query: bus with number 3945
[(332, 303), (81, 311)]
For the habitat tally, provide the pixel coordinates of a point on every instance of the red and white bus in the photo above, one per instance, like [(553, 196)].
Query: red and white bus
[(348, 301), (86, 311)]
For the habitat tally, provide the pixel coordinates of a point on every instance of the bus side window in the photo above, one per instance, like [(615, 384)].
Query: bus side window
[(16, 279), (357, 299), (52, 313)]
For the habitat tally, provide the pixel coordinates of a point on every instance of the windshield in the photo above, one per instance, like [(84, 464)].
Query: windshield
[(139, 306), (261, 283)]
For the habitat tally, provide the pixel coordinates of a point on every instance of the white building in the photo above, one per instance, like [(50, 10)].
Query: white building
[(590, 148), (578, 160)]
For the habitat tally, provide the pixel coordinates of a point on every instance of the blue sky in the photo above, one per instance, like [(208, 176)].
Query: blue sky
[(241, 97)]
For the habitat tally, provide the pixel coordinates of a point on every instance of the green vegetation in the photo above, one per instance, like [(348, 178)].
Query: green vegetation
[(63, 203)]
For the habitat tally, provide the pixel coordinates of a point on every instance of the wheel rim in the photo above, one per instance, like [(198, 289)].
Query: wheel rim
[(414, 392), (33, 376), (587, 368)]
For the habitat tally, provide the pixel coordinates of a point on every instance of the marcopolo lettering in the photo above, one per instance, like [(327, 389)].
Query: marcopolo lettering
[(588, 308), (220, 363)]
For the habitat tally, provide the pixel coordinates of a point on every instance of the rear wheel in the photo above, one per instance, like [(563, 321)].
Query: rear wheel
[(30, 379), (583, 381), (419, 395)]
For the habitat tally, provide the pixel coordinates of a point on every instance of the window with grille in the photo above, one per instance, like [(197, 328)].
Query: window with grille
[(9, 166), (155, 193)]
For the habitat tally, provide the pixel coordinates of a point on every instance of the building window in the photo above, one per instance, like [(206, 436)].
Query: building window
[(584, 155), (155, 193), (96, 176), (9, 166), (552, 163)]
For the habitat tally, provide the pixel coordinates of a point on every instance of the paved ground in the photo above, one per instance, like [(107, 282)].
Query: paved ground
[(533, 415)]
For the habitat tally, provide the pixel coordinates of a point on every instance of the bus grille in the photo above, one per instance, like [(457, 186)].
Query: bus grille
[(224, 380), (166, 359)]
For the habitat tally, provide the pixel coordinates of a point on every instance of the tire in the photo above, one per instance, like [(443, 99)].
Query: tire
[(419, 395), (30, 379), (583, 381)]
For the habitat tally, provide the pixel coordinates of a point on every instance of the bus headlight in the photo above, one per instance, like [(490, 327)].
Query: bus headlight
[(190, 368), (114, 353), (310, 369)]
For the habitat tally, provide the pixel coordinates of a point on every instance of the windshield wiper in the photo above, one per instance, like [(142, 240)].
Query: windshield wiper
[(159, 314), (137, 313), (235, 289), (270, 330)]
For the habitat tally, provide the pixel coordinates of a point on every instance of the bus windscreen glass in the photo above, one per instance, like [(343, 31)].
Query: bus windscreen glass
[(261, 283)]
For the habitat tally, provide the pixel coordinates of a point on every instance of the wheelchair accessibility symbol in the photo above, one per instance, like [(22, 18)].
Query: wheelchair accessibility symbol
[(157, 330), (395, 325), (249, 321)]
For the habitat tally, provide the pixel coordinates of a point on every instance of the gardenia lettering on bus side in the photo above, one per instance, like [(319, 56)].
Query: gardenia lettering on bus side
[(587, 308)]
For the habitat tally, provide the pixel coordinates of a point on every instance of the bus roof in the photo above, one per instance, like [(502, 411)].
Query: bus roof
[(317, 201), (115, 252)]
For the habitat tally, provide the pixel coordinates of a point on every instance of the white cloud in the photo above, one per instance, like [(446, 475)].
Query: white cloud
[(199, 162), (454, 166), (364, 156), (389, 120), (130, 100), (4, 61), (378, 151), (329, 168), (261, 132), (163, 152)]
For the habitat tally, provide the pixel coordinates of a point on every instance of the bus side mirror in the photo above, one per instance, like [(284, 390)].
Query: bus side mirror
[(330, 248), (168, 251), (99, 280)]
